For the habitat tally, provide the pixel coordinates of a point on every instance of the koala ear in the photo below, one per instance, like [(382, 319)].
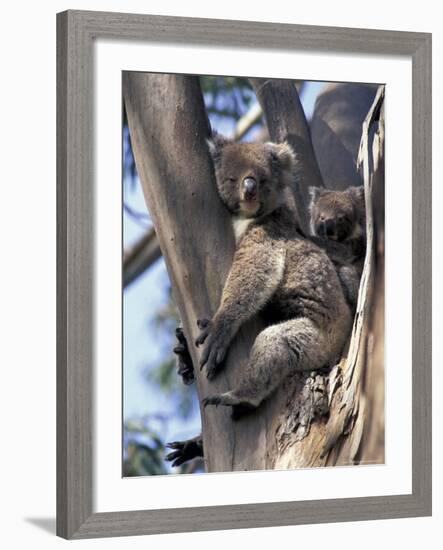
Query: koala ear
[(284, 153), (216, 144), (357, 193)]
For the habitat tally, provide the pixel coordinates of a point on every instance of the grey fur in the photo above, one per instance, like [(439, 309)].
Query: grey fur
[(275, 270), (338, 225)]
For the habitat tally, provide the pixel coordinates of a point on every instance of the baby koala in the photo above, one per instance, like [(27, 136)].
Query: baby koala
[(338, 225)]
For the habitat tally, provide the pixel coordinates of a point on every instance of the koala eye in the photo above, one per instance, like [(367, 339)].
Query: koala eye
[(232, 179), (262, 180)]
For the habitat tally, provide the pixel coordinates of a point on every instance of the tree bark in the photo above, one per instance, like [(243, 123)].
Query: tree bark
[(168, 126), (339, 113), (352, 395)]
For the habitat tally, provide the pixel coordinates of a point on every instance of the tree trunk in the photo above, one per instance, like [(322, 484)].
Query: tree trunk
[(168, 126), (339, 113)]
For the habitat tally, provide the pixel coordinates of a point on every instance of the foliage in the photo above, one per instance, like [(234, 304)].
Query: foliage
[(143, 450), (227, 96), (227, 99)]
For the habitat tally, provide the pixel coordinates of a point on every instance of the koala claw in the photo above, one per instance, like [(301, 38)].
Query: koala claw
[(240, 407), (184, 451), (212, 400), (203, 323), (184, 361), (205, 327), (213, 356), (214, 351), (179, 349), (212, 370)]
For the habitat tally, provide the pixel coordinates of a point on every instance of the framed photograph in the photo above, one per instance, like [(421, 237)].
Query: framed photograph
[(244, 274)]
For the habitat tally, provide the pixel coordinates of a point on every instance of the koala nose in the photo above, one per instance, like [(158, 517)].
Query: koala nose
[(330, 227), (250, 187)]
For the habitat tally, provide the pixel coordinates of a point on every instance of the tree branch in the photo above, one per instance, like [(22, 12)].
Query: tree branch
[(140, 256), (247, 121)]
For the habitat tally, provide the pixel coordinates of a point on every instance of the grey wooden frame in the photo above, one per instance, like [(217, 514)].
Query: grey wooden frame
[(76, 31)]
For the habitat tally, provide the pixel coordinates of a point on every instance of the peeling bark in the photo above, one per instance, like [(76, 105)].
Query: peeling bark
[(354, 430)]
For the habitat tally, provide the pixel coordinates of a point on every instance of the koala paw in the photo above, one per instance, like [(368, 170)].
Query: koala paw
[(212, 400), (205, 327), (240, 407), (185, 368), (184, 451), (216, 343), (227, 399)]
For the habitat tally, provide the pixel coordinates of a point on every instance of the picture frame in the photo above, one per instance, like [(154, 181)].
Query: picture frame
[(76, 32)]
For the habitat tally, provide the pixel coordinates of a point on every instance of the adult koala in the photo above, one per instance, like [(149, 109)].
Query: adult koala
[(276, 270)]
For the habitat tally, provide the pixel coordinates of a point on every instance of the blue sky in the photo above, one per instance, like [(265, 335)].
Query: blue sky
[(143, 344)]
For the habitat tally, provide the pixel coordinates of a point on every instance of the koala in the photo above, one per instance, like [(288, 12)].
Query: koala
[(185, 368), (338, 224), (183, 451), (338, 215), (275, 271)]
